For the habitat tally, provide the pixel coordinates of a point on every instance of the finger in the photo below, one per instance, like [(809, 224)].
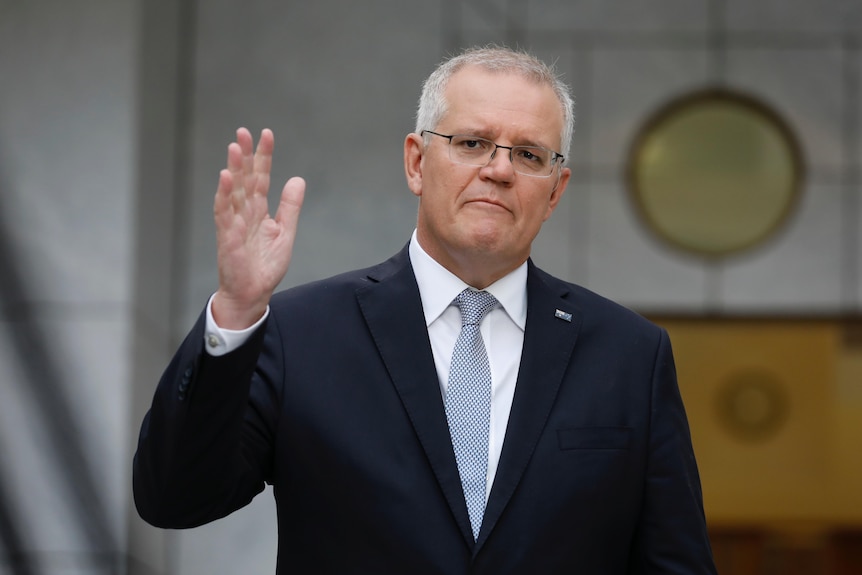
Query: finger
[(225, 187), (222, 203), (237, 190), (263, 162), (290, 204), (244, 139), (246, 145)]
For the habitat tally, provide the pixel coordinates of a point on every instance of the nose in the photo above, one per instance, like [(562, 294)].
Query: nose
[(500, 166)]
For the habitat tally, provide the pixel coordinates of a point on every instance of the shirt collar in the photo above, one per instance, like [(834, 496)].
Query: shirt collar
[(438, 287)]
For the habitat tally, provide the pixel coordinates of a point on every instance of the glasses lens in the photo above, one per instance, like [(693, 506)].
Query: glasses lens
[(532, 161), (471, 150), (527, 160)]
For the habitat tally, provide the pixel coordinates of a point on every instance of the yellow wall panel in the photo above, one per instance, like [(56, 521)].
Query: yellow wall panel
[(775, 408)]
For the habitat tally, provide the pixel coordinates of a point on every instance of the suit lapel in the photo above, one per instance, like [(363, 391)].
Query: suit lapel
[(393, 310), (549, 338)]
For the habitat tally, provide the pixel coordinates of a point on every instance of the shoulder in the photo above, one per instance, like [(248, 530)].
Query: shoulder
[(595, 309), (340, 289)]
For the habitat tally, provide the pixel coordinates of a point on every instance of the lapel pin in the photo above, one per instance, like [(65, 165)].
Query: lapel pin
[(563, 315)]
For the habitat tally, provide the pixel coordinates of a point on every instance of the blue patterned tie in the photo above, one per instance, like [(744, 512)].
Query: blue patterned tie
[(468, 402)]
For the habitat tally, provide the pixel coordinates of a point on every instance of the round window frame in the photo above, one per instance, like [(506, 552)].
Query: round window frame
[(711, 96)]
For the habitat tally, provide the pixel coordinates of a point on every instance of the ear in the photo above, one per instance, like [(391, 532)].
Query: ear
[(557, 192), (414, 149)]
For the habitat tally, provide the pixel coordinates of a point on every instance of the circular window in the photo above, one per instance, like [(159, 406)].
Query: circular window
[(715, 172), (752, 405)]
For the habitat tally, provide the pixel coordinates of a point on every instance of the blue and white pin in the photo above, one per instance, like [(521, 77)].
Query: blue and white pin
[(563, 315)]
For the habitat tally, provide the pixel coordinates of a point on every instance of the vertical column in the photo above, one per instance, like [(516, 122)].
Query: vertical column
[(163, 121)]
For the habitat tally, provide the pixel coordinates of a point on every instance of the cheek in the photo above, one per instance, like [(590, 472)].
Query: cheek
[(446, 187), (537, 206), (438, 201)]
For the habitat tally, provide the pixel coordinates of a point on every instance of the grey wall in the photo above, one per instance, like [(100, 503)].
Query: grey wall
[(67, 140), (114, 120)]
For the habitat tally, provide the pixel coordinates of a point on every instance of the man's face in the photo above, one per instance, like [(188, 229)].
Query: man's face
[(486, 217)]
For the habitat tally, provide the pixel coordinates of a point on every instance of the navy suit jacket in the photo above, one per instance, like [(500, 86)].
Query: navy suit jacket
[(336, 403)]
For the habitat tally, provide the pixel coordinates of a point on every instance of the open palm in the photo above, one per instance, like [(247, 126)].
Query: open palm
[(254, 249)]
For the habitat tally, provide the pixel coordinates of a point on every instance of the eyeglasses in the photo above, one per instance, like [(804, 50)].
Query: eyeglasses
[(532, 161)]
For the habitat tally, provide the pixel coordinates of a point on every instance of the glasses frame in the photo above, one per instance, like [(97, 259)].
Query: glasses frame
[(556, 160)]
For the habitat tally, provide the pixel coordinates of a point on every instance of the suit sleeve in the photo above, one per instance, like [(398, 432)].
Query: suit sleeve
[(205, 446), (671, 535)]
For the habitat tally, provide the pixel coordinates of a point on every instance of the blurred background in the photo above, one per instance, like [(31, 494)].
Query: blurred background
[(717, 189)]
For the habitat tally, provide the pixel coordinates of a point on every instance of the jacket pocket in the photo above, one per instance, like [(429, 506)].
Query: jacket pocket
[(595, 438)]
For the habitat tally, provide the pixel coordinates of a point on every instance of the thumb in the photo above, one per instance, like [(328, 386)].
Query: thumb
[(290, 204)]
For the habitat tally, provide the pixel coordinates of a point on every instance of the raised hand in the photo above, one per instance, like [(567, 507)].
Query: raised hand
[(254, 249)]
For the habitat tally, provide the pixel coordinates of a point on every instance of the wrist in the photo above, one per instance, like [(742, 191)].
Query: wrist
[(229, 313)]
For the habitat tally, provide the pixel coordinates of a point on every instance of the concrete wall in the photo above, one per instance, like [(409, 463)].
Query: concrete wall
[(114, 118), (67, 189)]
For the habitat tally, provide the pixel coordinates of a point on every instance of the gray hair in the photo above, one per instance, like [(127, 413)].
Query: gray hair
[(432, 102)]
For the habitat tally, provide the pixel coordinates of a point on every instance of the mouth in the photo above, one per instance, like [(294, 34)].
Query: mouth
[(487, 203)]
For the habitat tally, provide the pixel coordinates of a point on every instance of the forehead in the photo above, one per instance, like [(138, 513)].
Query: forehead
[(503, 103)]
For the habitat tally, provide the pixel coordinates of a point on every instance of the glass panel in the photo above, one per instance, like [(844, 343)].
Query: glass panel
[(715, 172)]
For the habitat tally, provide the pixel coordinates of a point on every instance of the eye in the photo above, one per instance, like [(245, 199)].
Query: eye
[(532, 155), (470, 143)]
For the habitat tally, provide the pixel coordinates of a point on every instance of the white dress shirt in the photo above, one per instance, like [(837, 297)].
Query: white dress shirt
[(502, 331)]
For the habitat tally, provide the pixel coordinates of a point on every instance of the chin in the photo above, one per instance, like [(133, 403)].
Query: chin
[(490, 240)]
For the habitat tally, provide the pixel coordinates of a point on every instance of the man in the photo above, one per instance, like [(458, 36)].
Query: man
[(545, 435)]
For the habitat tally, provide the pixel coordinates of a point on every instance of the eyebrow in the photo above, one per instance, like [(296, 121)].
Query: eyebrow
[(484, 133)]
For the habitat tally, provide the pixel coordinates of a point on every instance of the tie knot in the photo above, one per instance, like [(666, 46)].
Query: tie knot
[(474, 305)]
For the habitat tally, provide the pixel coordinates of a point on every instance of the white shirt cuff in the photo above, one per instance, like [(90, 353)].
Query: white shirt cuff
[(219, 341)]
